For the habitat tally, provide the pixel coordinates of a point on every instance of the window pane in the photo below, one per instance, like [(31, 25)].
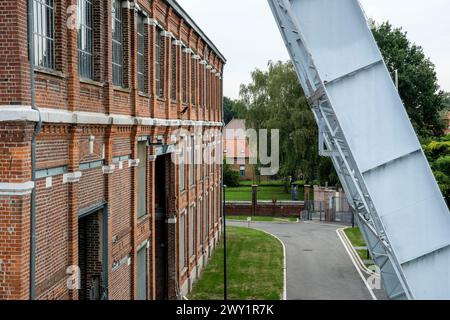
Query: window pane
[(85, 54), (44, 34), (184, 76), (183, 241), (191, 231), (141, 53), (173, 74), (192, 164), (182, 166), (117, 43), (199, 223), (193, 78)]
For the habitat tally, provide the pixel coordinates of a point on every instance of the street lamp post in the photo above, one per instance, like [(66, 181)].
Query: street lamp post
[(225, 280)]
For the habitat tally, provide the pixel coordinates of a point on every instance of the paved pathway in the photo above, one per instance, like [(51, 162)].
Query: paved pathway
[(318, 267)]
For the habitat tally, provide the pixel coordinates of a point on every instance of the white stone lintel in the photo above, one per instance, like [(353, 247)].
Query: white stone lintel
[(178, 43), (72, 177), (133, 162), (108, 169), (16, 189), (167, 34), (172, 221)]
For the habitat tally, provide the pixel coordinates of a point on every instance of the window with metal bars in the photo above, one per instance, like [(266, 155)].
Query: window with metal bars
[(205, 219), (85, 36), (191, 231), (193, 78), (159, 62), (201, 76), (182, 165), (184, 76), (173, 73), (44, 33), (199, 159), (199, 223), (192, 162), (117, 43), (141, 52), (208, 88), (183, 263), (210, 211)]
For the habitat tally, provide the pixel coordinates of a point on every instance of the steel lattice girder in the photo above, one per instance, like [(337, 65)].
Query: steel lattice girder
[(368, 135)]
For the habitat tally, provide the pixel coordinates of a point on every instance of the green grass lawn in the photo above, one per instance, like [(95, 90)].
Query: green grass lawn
[(357, 240), (265, 192), (255, 268), (262, 219)]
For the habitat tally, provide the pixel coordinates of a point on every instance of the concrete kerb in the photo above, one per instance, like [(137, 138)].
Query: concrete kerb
[(355, 254), (350, 251)]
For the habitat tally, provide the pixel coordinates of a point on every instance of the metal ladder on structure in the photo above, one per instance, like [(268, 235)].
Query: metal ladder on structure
[(365, 130)]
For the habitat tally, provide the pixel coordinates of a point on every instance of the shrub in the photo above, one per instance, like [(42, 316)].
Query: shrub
[(230, 176)]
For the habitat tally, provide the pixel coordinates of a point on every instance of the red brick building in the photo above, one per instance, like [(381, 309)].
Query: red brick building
[(237, 150), (92, 206)]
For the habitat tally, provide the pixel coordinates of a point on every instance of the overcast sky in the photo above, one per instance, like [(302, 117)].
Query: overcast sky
[(246, 33)]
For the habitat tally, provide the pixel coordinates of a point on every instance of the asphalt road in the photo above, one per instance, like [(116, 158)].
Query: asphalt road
[(318, 267)]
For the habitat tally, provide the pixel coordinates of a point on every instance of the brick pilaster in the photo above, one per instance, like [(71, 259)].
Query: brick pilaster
[(15, 197), (73, 80), (74, 159)]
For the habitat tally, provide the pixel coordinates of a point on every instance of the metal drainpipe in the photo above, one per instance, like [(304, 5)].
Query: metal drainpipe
[(222, 195), (37, 129), (221, 155)]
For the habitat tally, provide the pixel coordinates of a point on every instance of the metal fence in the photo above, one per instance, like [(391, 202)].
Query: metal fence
[(334, 209)]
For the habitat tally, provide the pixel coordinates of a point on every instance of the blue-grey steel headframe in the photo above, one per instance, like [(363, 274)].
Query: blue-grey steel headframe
[(365, 130)]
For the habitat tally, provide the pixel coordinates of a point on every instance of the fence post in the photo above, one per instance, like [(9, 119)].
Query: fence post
[(254, 199)]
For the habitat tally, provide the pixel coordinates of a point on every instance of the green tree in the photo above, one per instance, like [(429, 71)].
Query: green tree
[(438, 154), (228, 110), (230, 176), (233, 109), (275, 100), (418, 85)]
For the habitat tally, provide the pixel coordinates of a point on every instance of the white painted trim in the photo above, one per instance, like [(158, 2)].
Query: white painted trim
[(172, 221), (16, 189), (167, 34), (25, 113), (196, 57), (72, 177), (177, 43), (108, 169), (133, 163), (126, 5), (18, 113), (151, 22)]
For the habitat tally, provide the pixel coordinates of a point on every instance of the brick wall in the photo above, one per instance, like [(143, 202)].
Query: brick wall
[(265, 209), (69, 145)]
